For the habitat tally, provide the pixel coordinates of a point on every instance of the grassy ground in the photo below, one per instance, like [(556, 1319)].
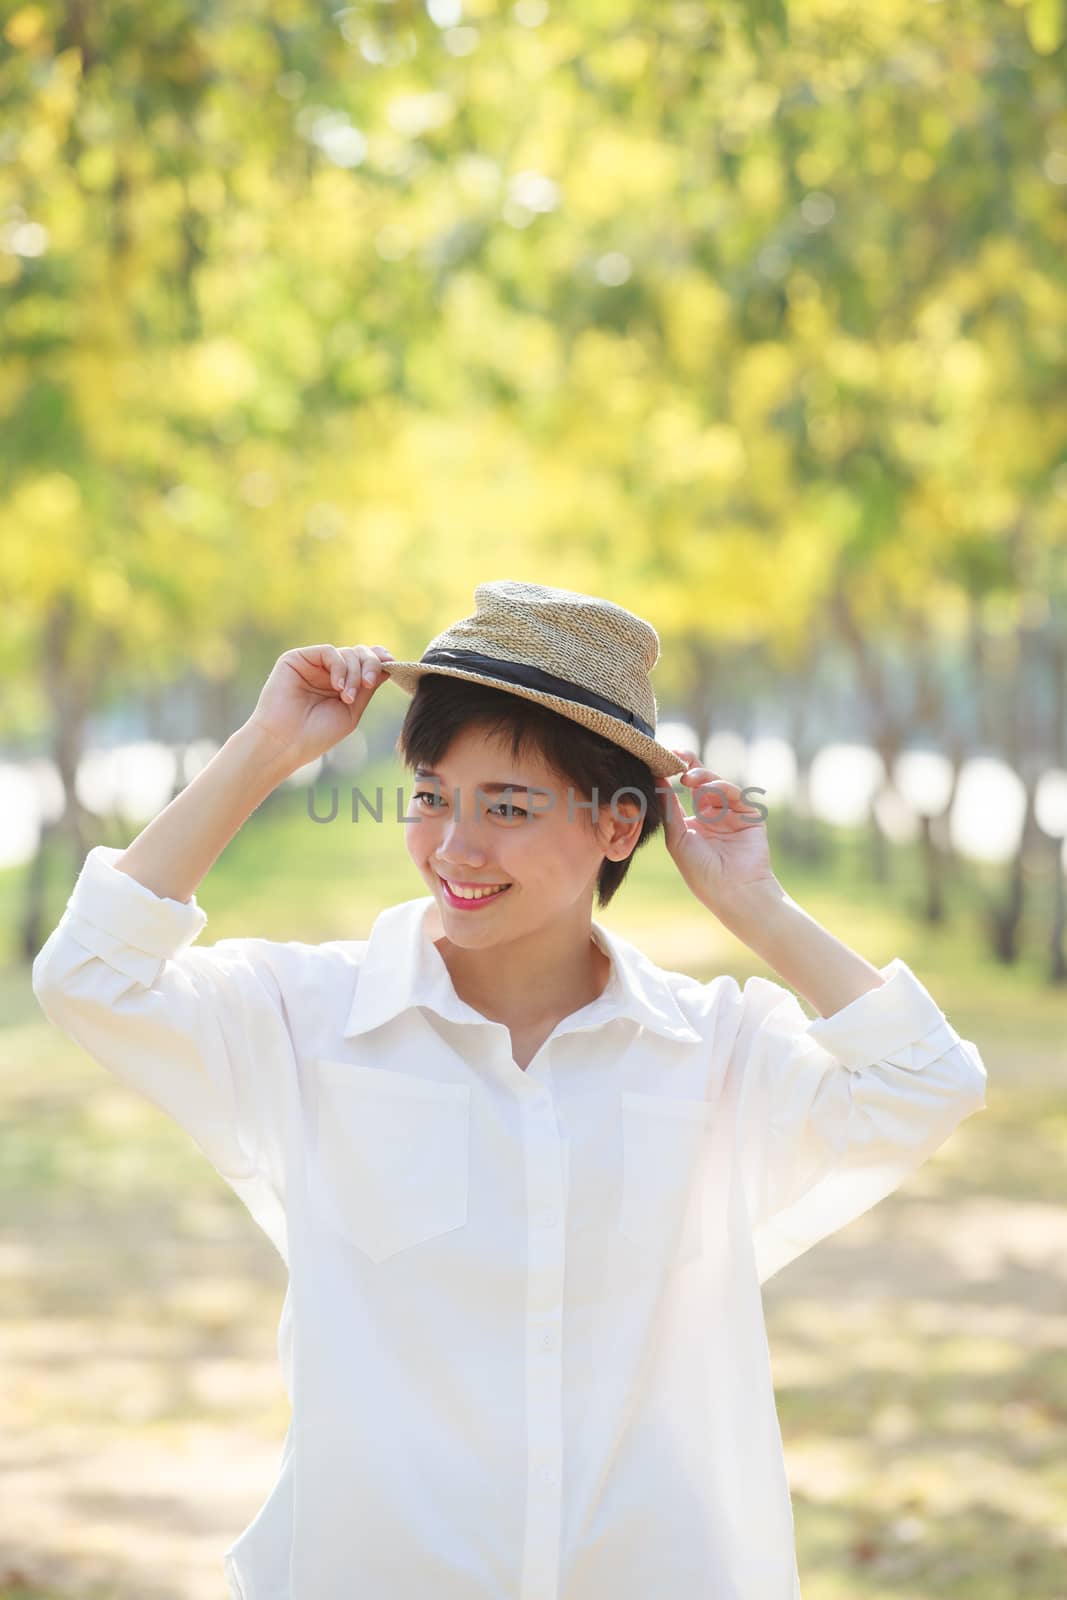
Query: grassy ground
[(918, 1354)]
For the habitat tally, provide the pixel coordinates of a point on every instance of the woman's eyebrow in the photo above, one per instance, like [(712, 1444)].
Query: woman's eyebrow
[(486, 788)]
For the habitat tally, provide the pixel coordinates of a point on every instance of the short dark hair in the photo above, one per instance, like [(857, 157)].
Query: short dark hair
[(443, 707)]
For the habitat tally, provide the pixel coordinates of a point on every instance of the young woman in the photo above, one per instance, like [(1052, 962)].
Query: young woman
[(526, 1182)]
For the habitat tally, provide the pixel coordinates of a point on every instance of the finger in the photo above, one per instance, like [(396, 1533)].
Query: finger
[(710, 804), (353, 656), (341, 674), (674, 818), (372, 668), (704, 785), (367, 673), (334, 663), (708, 785)]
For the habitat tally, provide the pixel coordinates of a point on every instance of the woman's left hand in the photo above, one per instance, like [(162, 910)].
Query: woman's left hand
[(721, 851)]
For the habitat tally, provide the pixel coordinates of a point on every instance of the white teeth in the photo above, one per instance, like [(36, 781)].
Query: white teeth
[(473, 894)]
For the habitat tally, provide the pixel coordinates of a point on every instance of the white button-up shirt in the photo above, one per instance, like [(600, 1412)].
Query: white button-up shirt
[(523, 1338)]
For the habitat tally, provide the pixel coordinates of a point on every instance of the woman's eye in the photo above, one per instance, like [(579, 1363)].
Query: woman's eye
[(497, 811)]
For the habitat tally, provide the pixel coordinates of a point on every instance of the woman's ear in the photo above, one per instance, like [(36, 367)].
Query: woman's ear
[(621, 828)]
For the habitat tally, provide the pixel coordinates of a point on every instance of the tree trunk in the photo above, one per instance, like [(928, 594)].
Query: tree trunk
[(69, 684), (1057, 956), (1005, 919), (74, 826), (1018, 740), (701, 707)]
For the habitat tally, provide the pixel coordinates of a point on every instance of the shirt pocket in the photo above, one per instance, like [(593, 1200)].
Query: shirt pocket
[(391, 1166), (664, 1144)]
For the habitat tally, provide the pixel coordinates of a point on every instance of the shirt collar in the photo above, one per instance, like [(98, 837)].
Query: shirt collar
[(402, 967)]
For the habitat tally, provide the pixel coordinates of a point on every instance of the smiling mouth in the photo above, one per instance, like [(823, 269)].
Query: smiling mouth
[(473, 893)]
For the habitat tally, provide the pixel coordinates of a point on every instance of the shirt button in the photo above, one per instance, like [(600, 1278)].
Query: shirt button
[(548, 1340), (548, 1477), (547, 1219)]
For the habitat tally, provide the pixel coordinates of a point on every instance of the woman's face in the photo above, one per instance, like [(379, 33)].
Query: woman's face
[(547, 852)]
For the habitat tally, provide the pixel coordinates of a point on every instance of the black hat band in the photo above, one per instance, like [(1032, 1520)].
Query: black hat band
[(518, 673)]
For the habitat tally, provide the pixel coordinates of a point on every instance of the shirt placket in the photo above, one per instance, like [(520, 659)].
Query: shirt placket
[(546, 1216)]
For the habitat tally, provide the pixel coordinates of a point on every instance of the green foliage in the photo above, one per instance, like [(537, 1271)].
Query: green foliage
[(671, 297)]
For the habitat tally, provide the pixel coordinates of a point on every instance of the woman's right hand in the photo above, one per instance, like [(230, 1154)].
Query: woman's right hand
[(316, 695)]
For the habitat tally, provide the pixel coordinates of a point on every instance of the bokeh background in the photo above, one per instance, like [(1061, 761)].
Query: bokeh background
[(751, 317)]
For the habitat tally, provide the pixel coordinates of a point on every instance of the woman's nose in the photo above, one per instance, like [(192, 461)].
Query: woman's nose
[(458, 846)]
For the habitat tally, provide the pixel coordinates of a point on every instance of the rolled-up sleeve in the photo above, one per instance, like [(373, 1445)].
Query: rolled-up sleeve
[(200, 1033), (833, 1113)]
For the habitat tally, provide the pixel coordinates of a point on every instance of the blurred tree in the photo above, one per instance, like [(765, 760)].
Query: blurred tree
[(752, 315)]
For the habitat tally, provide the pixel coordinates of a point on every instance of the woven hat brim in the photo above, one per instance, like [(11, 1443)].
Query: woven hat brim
[(661, 761)]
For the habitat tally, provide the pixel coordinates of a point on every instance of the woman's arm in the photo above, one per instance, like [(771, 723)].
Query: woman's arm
[(313, 698), (806, 955), (173, 854)]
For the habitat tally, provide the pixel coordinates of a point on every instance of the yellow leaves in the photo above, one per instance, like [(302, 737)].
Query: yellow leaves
[(613, 170), (38, 149), (917, 165), (602, 361), (816, 165), (48, 503), (96, 167), (130, 425), (964, 372), (880, 157), (622, 60), (687, 452), (754, 105), (213, 376), (1046, 298), (662, 385), (56, 89), (1000, 261), (719, 453), (734, 580), (107, 593), (341, 197), (999, 508), (25, 29), (910, 369), (936, 128), (206, 191), (43, 535), (919, 444), (530, 348), (525, 349), (811, 321), (762, 181), (478, 179), (939, 319), (764, 375), (467, 300), (1046, 25), (66, 67), (696, 317), (36, 315), (853, 362)]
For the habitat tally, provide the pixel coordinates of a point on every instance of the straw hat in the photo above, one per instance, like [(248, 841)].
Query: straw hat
[(587, 658)]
